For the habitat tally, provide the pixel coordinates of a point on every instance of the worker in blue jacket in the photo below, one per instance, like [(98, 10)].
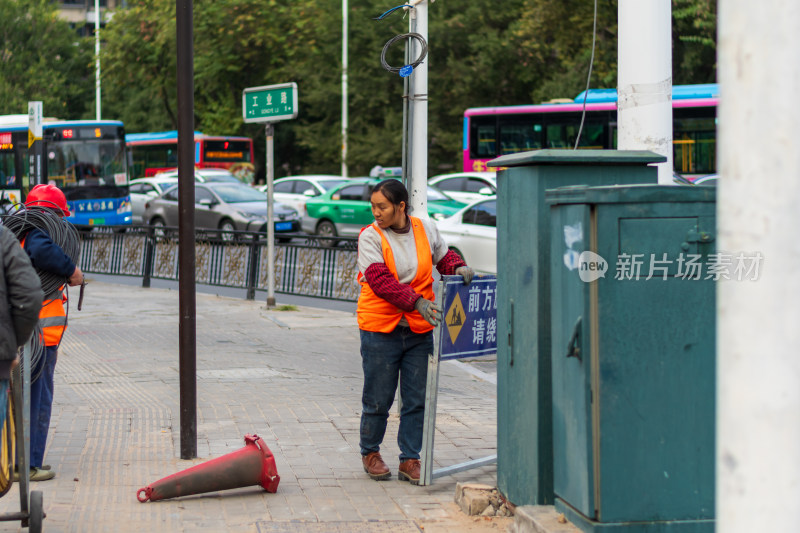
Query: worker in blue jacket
[(47, 256)]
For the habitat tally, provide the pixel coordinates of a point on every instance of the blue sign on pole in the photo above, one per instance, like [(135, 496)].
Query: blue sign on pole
[(469, 328)]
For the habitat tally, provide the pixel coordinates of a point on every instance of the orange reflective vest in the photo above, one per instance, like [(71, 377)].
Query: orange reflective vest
[(53, 316), (375, 313)]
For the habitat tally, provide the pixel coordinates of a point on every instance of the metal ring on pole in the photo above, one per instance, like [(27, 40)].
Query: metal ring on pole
[(407, 69)]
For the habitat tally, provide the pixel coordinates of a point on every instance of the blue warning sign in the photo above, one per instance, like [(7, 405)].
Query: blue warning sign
[(469, 328)]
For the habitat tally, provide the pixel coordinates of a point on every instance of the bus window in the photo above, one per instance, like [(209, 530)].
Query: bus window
[(483, 134), (148, 160), (694, 144), (519, 134), (8, 176), (562, 133)]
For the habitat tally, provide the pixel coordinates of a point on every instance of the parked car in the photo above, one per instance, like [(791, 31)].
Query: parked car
[(224, 206), (466, 186), (345, 209), (472, 234), (144, 189), (709, 180), (204, 175), (294, 191)]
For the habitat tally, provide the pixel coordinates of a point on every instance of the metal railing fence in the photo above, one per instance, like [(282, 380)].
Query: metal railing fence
[(305, 265)]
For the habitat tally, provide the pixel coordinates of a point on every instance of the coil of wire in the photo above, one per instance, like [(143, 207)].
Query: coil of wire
[(36, 344), (405, 70), (61, 232)]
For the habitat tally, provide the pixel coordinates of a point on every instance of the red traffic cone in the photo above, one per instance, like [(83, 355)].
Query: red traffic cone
[(252, 465)]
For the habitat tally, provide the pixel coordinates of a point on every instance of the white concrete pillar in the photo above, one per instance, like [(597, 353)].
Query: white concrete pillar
[(418, 184), (758, 334), (644, 80)]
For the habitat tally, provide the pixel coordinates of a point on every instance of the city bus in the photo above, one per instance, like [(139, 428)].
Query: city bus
[(87, 159), (156, 152), (490, 132)]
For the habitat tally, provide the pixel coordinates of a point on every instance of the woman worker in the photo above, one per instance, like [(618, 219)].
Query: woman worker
[(396, 316)]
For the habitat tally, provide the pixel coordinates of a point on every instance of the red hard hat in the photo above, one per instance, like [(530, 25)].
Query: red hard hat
[(48, 196)]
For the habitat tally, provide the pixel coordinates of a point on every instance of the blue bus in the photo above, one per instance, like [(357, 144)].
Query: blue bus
[(87, 159)]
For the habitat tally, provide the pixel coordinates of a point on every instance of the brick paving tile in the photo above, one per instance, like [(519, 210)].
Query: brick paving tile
[(292, 377)]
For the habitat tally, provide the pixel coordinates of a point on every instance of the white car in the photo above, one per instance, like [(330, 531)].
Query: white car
[(204, 175), (294, 191), (472, 234), (145, 189), (466, 186)]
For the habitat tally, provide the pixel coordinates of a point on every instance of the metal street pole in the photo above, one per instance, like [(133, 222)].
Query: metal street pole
[(187, 321), (418, 190), (97, 55), (344, 89), (269, 130), (644, 80)]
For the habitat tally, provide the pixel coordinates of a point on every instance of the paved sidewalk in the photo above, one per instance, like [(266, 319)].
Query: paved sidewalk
[(292, 377)]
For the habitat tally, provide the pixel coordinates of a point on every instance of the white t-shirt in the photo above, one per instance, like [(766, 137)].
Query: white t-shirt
[(404, 249)]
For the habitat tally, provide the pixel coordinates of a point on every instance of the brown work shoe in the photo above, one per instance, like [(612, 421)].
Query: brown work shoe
[(375, 467), (409, 471)]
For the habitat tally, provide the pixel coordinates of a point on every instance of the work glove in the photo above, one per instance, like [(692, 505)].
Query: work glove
[(466, 272), (431, 312)]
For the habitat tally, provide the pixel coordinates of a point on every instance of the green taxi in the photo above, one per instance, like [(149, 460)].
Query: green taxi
[(344, 210)]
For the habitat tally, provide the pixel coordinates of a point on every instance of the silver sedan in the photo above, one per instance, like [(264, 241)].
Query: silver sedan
[(223, 206)]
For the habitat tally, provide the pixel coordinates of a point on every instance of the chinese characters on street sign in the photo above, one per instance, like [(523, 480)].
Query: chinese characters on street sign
[(270, 103), (469, 327)]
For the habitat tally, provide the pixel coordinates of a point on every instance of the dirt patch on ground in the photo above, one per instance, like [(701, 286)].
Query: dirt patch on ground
[(457, 521)]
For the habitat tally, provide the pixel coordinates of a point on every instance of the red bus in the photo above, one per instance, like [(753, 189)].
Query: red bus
[(152, 153)]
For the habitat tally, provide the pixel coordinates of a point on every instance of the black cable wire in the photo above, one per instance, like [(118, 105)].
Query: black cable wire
[(61, 231), (37, 351), (588, 78), (406, 70)]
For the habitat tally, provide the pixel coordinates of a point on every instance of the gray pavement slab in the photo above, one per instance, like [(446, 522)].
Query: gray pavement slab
[(292, 377)]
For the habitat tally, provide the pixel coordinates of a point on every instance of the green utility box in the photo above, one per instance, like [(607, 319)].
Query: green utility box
[(524, 418), (633, 356)]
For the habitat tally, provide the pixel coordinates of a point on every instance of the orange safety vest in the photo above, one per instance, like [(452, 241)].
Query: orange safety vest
[(376, 314), (53, 316)]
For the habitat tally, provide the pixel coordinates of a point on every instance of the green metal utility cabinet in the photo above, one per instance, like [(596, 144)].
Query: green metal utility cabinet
[(524, 419), (633, 355)]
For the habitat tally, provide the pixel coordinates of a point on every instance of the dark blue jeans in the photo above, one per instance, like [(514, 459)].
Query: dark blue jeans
[(42, 404), (385, 358)]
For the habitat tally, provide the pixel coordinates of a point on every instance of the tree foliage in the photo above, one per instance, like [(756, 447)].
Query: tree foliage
[(480, 53), (694, 48), (42, 58)]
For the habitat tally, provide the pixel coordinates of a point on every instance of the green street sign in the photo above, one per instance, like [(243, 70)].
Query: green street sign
[(270, 103)]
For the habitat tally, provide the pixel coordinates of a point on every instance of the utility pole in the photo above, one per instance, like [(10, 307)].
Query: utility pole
[(758, 375), (644, 80), (187, 301), (418, 189), (97, 56), (344, 89)]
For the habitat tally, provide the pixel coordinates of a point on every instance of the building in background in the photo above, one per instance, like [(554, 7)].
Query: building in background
[(80, 13)]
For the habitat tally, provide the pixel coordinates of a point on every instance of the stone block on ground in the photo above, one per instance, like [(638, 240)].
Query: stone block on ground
[(476, 499)]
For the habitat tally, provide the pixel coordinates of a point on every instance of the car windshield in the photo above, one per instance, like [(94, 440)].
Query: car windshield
[(216, 177), (435, 195), (330, 184), (234, 193)]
